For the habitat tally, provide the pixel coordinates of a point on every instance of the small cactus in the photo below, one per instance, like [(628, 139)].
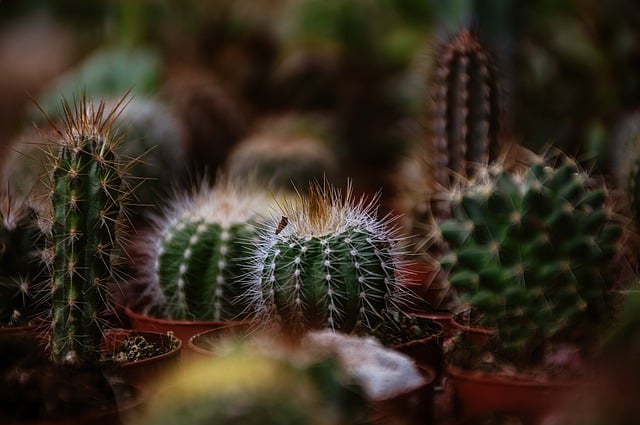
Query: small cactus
[(465, 116), (327, 262), (198, 249), (86, 202), (285, 152), (21, 271), (532, 253)]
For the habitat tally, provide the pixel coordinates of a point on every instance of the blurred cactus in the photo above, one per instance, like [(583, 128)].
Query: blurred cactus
[(625, 153), (532, 253), (22, 274), (285, 152), (195, 256), (326, 262), (465, 116), (86, 202)]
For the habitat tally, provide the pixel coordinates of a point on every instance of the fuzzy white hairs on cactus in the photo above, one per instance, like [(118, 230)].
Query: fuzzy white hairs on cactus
[(196, 251), (327, 261)]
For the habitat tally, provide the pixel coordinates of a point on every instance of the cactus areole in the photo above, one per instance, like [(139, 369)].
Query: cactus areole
[(327, 263), (86, 197)]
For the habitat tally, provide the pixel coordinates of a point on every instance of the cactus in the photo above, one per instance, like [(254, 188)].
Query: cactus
[(532, 253), (326, 262), (465, 117), (21, 271), (285, 152), (198, 249), (259, 381), (626, 161), (86, 196)]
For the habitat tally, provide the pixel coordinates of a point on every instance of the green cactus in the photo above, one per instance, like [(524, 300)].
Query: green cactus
[(87, 194), (21, 271), (199, 247), (265, 383), (286, 151), (465, 115), (532, 252), (326, 262)]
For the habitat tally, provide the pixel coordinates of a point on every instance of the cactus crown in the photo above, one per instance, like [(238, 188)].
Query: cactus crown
[(326, 261), (532, 253), (86, 202), (199, 246)]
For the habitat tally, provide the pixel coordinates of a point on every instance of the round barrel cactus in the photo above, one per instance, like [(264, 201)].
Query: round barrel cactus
[(532, 252), (326, 262), (199, 248)]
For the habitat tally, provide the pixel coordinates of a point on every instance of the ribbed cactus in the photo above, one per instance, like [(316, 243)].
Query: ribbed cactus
[(465, 116), (87, 194), (532, 253), (21, 271), (286, 152), (327, 262), (199, 249)]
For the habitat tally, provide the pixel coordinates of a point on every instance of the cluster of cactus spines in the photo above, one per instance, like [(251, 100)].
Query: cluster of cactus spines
[(465, 116), (87, 194), (21, 271), (327, 262), (199, 248), (285, 152), (532, 251)]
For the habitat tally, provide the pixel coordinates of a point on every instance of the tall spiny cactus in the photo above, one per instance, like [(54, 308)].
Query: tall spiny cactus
[(465, 116), (327, 262), (532, 252), (21, 271), (199, 247), (87, 194)]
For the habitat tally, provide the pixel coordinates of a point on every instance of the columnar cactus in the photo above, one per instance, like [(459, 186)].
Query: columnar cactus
[(465, 116), (21, 271), (327, 262), (199, 248), (532, 252), (87, 194)]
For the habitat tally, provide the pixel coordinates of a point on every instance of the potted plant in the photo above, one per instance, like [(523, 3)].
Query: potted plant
[(80, 221), (191, 265), (531, 254)]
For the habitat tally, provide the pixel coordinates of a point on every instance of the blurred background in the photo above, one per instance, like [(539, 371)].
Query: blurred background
[(569, 71)]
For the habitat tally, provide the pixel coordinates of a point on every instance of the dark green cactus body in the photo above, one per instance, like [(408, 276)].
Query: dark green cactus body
[(465, 119), (86, 202), (327, 263), (198, 268), (21, 271), (532, 253), (340, 281)]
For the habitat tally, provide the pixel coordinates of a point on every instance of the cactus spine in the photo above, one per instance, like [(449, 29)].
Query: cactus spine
[(465, 120), (199, 249), (86, 201), (532, 253), (327, 262), (21, 271)]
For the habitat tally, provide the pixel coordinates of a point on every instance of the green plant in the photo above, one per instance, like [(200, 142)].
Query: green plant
[(326, 262), (286, 152), (464, 126), (21, 271), (199, 247), (532, 253), (86, 197)]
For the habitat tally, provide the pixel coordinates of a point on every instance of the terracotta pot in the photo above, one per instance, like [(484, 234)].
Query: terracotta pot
[(426, 352), (478, 394), (414, 407), (143, 372), (203, 344), (182, 329)]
